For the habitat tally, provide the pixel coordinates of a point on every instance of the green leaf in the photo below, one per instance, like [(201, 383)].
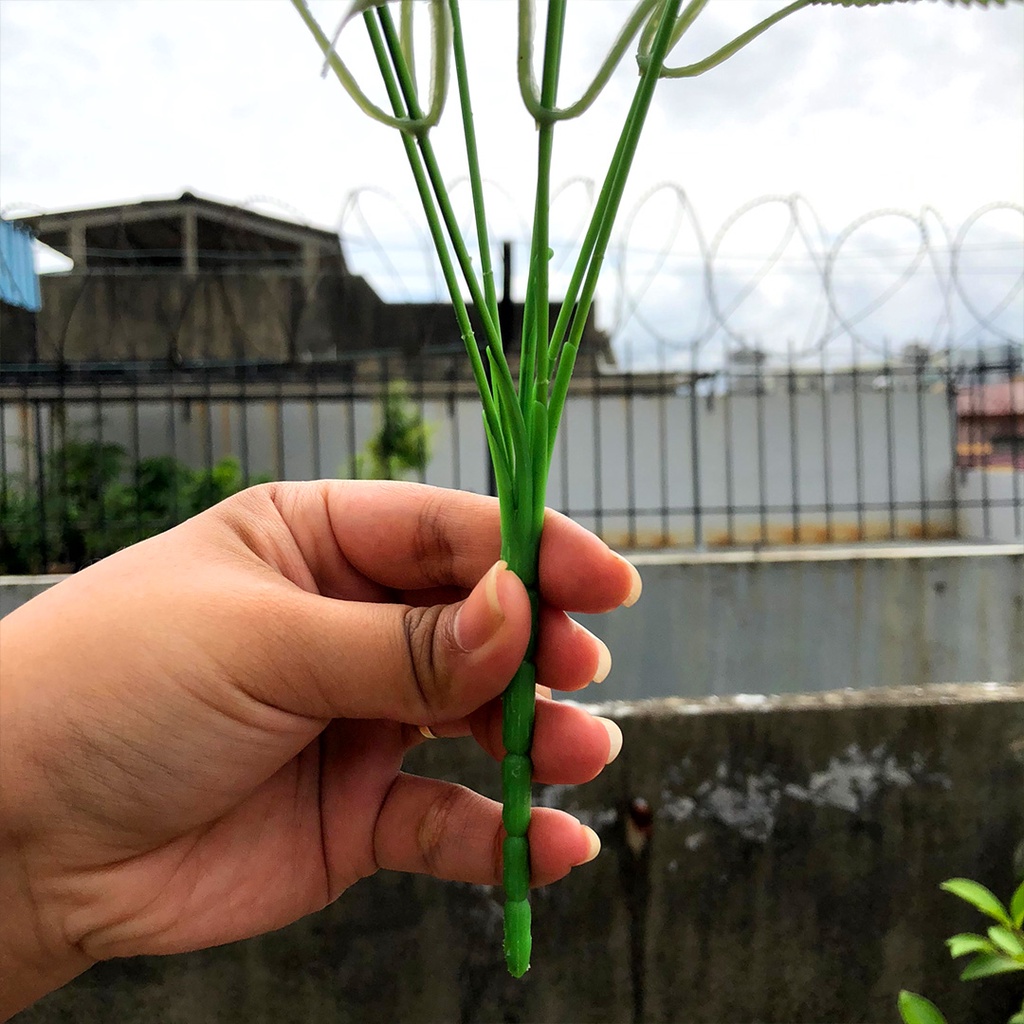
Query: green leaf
[(1006, 941), (987, 964), (978, 896), (1017, 907), (969, 943), (915, 1009), (1017, 1018)]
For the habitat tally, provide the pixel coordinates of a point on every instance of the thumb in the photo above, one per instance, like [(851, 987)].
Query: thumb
[(422, 665)]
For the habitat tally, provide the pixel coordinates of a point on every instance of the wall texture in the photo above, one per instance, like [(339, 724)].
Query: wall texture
[(793, 620), (790, 874), (796, 620)]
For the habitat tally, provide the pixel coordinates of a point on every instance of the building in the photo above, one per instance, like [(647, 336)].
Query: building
[(191, 281)]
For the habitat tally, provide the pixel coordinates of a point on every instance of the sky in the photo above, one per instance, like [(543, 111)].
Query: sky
[(900, 108)]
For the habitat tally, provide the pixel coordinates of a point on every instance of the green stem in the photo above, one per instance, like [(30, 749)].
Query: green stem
[(542, 205), (491, 417), (473, 162), (549, 114), (603, 221), (725, 52), (439, 72)]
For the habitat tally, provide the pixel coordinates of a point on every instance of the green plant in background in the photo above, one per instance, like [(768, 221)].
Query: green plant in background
[(999, 951), (401, 445), (92, 502), (521, 413)]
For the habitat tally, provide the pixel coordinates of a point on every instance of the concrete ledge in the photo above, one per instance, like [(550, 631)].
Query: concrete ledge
[(786, 869), (824, 553)]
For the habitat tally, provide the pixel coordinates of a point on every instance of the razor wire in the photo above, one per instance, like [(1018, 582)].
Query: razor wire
[(889, 277)]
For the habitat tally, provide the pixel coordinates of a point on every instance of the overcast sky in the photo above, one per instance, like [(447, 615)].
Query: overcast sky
[(919, 104)]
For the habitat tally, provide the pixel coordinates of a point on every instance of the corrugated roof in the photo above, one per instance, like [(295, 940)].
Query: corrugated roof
[(19, 285)]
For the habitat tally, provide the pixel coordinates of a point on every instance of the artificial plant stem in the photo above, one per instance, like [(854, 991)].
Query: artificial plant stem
[(337, 65), (615, 184), (405, 22), (523, 545), (408, 88), (542, 207), (528, 87), (498, 452), (473, 162), (723, 54)]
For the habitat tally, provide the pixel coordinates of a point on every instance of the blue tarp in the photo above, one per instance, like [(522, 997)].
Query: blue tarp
[(19, 284)]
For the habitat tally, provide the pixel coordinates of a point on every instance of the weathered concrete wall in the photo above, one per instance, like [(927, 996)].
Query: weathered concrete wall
[(791, 875), (796, 620), (17, 590)]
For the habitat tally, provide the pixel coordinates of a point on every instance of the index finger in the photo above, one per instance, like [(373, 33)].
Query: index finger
[(406, 536)]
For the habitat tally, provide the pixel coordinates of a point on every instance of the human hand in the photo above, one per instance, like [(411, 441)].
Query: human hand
[(202, 735)]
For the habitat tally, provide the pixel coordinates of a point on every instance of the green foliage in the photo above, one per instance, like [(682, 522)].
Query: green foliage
[(521, 418), (401, 445), (93, 501), (915, 1009), (1001, 951)]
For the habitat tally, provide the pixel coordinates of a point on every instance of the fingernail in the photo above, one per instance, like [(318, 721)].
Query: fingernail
[(593, 844), (636, 584), (614, 738), (426, 733), (481, 615), (604, 656)]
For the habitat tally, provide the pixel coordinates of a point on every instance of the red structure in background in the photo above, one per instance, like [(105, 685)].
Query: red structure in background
[(990, 424)]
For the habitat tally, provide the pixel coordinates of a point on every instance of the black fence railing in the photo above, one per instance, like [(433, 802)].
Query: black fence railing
[(762, 451)]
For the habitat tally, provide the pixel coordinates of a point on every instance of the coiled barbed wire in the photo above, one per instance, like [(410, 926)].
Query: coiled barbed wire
[(835, 272)]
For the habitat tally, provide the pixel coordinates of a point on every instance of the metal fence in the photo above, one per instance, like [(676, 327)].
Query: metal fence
[(765, 452)]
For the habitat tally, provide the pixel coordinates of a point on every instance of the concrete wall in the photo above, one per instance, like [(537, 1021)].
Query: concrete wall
[(792, 620), (791, 875), (799, 620)]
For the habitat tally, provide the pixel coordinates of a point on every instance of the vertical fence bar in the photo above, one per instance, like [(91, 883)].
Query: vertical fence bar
[(762, 454), (663, 492), (44, 545), (922, 446), (314, 418), (421, 404), (826, 449), (630, 452), (1013, 366), (280, 469), (794, 447), (97, 482), (730, 492), (978, 393), (598, 456), (206, 425), (953, 419), (563, 457), (698, 522), (243, 422), (351, 418), (858, 442), (454, 410), (890, 439)]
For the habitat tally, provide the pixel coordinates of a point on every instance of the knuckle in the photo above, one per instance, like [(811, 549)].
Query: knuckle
[(438, 830), (432, 544), (422, 641)]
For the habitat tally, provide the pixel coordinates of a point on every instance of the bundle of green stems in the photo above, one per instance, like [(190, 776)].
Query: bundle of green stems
[(521, 413)]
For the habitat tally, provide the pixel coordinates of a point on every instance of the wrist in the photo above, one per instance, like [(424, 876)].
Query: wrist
[(34, 956)]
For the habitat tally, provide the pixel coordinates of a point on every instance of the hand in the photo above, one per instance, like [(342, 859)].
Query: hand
[(203, 734)]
